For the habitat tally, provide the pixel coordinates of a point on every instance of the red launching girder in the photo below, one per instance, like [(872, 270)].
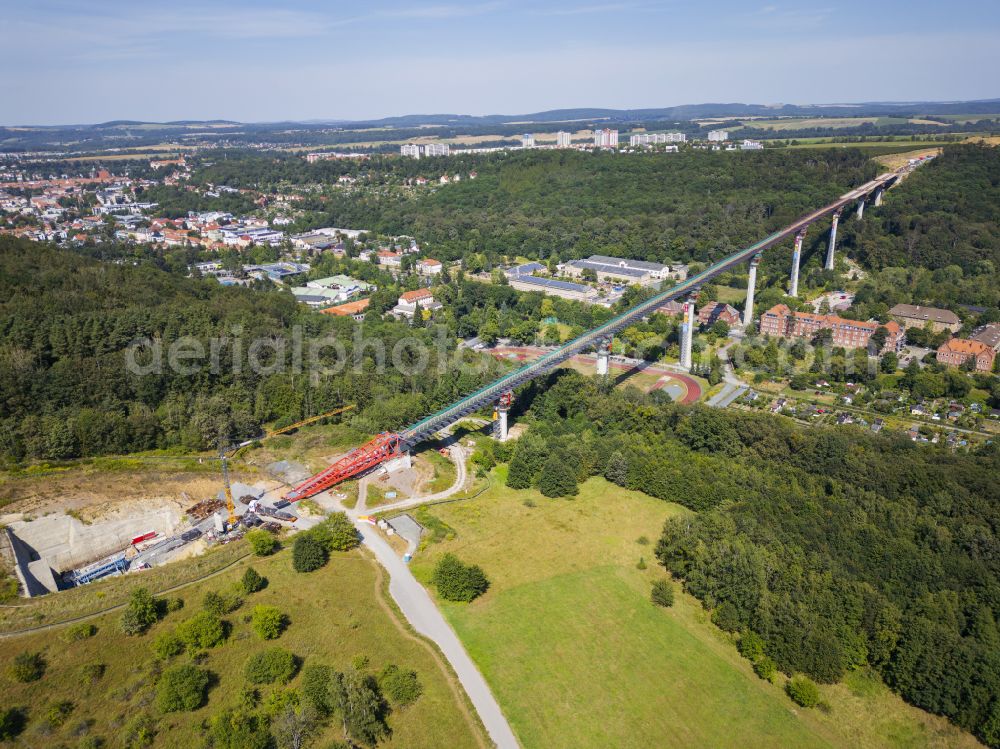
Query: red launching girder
[(359, 460)]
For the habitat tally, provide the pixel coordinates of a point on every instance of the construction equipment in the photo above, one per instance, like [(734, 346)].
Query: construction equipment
[(310, 420), (359, 460), (229, 492)]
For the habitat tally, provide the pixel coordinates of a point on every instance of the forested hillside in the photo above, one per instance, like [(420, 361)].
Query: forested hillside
[(66, 323), (945, 213), (566, 204), (839, 548)]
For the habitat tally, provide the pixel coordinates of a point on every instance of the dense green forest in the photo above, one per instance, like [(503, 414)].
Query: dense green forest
[(839, 548), (66, 322), (566, 204)]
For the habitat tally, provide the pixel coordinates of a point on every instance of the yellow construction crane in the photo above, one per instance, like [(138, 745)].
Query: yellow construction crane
[(229, 492), (310, 420)]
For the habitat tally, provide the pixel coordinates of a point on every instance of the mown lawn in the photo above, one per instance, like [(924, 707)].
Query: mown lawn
[(578, 657), (336, 614)]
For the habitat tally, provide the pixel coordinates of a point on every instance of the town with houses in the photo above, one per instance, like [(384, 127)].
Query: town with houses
[(100, 206)]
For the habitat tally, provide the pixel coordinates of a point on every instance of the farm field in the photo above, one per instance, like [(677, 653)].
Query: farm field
[(336, 614), (578, 657)]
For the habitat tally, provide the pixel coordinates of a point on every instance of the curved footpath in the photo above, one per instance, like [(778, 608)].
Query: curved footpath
[(423, 614)]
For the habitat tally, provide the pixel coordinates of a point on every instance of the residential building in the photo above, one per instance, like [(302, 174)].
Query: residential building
[(428, 266), (551, 287), (437, 149), (915, 316), (650, 139), (751, 145), (958, 351), (563, 139), (717, 136), (410, 301), (410, 149), (988, 334), (389, 258), (527, 140), (606, 138), (782, 322), (672, 308), (713, 312)]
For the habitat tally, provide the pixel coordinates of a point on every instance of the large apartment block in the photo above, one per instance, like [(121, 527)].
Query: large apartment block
[(649, 139), (718, 136), (780, 321), (606, 138)]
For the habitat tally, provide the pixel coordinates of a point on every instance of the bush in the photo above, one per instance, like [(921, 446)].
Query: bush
[(765, 667), (269, 666), (402, 685), (139, 732), (751, 646), (27, 667), (182, 687), (12, 722), (456, 581), (175, 604), (308, 553), (337, 533), (252, 581), (79, 632), (662, 593), (239, 729), (91, 673), (261, 542), (57, 713), (140, 612), (168, 644), (803, 691), (316, 688), (219, 604), (203, 630), (268, 622)]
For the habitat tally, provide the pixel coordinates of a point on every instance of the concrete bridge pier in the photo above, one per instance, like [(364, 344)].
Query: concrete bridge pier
[(751, 290), (878, 198), (861, 208), (832, 248), (793, 289), (500, 416), (687, 330), (603, 357)]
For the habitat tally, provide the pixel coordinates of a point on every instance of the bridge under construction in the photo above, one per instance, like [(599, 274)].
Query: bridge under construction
[(390, 445)]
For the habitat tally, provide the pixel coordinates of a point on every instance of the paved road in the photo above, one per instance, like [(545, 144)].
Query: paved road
[(732, 387), (422, 613)]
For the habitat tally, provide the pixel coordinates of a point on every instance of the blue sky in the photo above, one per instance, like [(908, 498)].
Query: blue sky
[(66, 61)]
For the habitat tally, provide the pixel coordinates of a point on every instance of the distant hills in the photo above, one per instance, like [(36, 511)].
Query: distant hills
[(679, 113)]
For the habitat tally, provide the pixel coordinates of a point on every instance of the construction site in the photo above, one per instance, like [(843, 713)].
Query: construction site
[(75, 527)]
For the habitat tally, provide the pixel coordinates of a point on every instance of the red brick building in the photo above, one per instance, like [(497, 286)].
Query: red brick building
[(715, 311), (959, 350), (780, 321)]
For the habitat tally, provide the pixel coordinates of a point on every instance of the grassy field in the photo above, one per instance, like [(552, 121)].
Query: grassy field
[(336, 614), (578, 657)]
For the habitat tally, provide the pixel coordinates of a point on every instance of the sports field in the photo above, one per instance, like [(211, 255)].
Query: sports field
[(578, 657)]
